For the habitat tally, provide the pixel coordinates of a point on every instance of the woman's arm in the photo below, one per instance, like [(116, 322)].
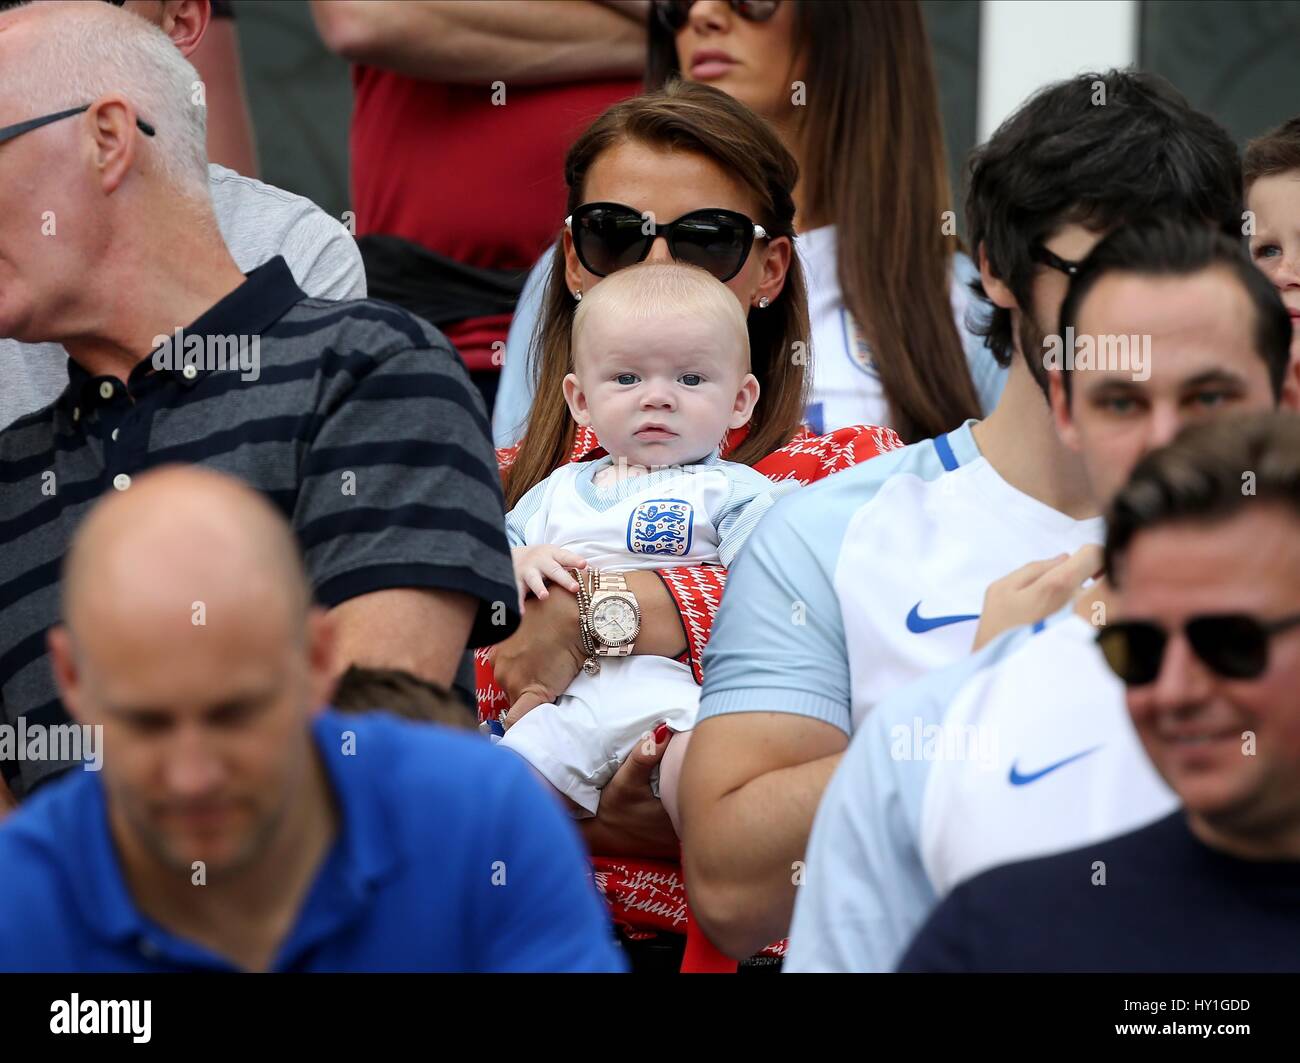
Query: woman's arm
[(474, 43), (539, 661)]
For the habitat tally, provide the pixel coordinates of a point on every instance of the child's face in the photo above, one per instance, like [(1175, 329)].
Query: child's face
[(660, 393), (1275, 247)]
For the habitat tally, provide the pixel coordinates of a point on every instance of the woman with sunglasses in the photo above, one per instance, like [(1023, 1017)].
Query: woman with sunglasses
[(687, 172), (850, 88), (887, 287)]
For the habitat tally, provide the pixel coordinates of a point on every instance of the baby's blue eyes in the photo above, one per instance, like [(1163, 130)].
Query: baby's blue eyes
[(691, 380)]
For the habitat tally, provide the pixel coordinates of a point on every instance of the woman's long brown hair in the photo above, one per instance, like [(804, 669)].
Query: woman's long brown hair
[(870, 141), (695, 118)]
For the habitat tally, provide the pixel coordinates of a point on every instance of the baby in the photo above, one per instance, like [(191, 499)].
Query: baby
[(1271, 173), (661, 360)]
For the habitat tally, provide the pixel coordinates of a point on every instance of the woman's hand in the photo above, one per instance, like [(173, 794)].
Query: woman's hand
[(631, 821), (537, 663)]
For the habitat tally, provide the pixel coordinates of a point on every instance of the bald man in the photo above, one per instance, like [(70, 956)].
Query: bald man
[(236, 824), (356, 418)]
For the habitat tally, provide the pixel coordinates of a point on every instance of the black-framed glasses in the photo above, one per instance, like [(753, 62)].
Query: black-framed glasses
[(611, 236), (673, 14), (9, 132), (1232, 645), (1051, 258)]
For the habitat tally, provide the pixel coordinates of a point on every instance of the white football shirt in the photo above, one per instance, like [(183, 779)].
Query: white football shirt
[(681, 515), (1022, 750), (857, 584)]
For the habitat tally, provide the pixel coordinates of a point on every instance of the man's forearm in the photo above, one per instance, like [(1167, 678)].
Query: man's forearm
[(416, 631), (519, 42), (741, 857)]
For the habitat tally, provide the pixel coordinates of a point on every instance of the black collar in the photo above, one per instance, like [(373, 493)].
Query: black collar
[(265, 296)]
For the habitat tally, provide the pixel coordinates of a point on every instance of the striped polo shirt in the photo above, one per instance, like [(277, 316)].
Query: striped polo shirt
[(357, 420)]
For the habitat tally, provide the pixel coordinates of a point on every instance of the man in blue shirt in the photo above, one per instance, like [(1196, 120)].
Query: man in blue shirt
[(237, 825)]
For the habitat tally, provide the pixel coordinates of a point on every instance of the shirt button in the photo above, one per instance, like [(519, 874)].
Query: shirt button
[(105, 390), (189, 372), (121, 481), (114, 435), (76, 413)]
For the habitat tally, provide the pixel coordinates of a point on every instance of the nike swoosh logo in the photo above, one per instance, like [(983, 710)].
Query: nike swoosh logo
[(1016, 779), (919, 625)]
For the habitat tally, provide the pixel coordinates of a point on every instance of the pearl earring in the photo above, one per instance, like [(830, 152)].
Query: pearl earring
[(763, 302), (578, 295)]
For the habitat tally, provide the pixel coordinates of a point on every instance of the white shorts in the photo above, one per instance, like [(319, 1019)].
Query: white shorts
[(578, 741)]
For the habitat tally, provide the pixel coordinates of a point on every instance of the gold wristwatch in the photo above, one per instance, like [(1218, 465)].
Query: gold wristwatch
[(615, 617)]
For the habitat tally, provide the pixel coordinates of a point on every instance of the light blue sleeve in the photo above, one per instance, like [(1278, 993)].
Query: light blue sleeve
[(866, 891), (514, 397), (750, 498), (989, 377), (524, 511), (777, 643)]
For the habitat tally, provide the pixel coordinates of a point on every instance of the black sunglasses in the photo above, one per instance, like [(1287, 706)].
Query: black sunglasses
[(9, 132), (611, 236), (1051, 258), (673, 14), (1234, 646)]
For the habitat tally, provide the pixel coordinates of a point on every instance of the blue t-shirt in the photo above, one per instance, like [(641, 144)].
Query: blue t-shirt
[(449, 857), (1157, 899)]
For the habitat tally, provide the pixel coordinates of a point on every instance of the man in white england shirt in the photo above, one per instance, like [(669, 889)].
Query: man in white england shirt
[(856, 585), (1026, 748)]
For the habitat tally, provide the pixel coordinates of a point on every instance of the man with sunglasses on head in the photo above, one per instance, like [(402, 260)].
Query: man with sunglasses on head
[(1203, 553), (865, 581), (355, 418), (256, 220), (1025, 748)]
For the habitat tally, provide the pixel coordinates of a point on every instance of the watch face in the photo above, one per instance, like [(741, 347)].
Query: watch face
[(614, 621)]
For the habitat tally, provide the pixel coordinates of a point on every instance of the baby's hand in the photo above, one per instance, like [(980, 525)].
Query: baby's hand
[(534, 565)]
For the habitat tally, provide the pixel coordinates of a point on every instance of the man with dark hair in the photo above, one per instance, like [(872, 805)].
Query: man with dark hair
[(1271, 172), (1078, 159), (1203, 553), (1025, 748), (857, 585)]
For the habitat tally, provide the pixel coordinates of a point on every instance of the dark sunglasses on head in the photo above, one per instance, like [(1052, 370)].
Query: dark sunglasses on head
[(9, 132), (1051, 258), (673, 14), (1234, 646), (611, 236)]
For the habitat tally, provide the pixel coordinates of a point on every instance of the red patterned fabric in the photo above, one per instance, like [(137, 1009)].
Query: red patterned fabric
[(649, 896)]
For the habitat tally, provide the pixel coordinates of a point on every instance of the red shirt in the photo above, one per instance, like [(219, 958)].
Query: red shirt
[(442, 166)]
